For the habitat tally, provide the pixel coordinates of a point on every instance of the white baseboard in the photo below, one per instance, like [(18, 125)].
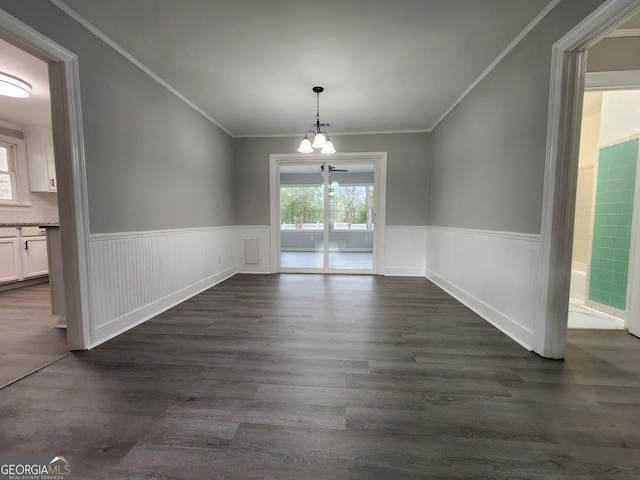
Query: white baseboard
[(493, 273), (254, 269), (137, 275), (404, 272), (132, 319), (405, 254), (503, 323)]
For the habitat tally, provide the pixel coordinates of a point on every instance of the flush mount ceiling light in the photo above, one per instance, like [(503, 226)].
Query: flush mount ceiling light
[(320, 139), (13, 87)]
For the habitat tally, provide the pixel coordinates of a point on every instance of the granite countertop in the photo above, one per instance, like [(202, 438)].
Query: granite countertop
[(28, 224)]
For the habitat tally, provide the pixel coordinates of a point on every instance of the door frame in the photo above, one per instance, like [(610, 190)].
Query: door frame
[(379, 159), (568, 70), (66, 115)]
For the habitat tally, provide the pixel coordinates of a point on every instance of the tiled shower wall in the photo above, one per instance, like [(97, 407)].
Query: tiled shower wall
[(582, 235), (612, 224)]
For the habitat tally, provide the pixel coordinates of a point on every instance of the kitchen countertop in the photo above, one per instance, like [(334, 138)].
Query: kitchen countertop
[(28, 224)]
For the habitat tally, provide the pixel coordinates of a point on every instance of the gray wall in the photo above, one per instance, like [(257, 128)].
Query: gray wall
[(612, 54), (152, 161), (407, 162), (488, 156)]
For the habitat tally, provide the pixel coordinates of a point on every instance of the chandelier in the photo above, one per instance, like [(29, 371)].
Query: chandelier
[(321, 139)]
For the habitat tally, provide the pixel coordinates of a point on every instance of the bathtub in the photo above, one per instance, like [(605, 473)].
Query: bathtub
[(578, 285)]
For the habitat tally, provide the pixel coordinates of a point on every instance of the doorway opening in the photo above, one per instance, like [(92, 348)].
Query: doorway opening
[(67, 149), (568, 71), (606, 197), (327, 216)]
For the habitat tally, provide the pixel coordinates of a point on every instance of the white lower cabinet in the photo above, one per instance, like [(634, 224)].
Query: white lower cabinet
[(34, 256), (10, 268), (23, 254)]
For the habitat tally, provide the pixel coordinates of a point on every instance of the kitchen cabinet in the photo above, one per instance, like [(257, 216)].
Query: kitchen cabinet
[(40, 159), (34, 253), (10, 265), (23, 253)]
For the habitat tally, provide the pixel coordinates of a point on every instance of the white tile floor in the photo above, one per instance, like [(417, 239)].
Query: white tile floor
[(337, 260), (584, 317)]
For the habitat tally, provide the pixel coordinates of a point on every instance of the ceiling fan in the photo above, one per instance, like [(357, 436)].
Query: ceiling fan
[(333, 169)]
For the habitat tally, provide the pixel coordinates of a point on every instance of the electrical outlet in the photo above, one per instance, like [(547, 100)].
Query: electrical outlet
[(219, 259)]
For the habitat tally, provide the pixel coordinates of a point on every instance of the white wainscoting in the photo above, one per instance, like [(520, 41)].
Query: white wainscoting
[(404, 251), (262, 233), (493, 273), (137, 275)]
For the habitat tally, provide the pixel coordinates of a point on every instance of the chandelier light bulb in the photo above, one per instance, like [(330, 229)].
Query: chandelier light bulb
[(305, 146), (319, 141), (328, 148)]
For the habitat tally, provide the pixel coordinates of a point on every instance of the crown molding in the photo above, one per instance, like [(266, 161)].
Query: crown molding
[(334, 134), (107, 40), (624, 32), (545, 11), (613, 80)]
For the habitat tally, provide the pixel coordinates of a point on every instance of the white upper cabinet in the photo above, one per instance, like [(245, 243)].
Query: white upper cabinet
[(40, 159)]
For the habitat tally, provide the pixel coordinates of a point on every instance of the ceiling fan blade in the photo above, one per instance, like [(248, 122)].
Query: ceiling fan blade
[(333, 169)]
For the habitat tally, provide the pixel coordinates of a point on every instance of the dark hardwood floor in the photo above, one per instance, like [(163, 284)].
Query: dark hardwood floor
[(29, 338), (331, 377)]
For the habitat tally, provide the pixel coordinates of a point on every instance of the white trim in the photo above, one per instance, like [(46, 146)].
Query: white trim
[(137, 275), (70, 159), (565, 108), (12, 126), (103, 237), (526, 237), (632, 314), (262, 234), (506, 325), (334, 134), (460, 261), (624, 32), (98, 33), (132, 319), (405, 251), (617, 141), (379, 159), (545, 11), (614, 80)]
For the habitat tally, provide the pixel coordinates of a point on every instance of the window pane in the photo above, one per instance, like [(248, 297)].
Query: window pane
[(4, 159), (301, 207), (6, 190), (350, 207)]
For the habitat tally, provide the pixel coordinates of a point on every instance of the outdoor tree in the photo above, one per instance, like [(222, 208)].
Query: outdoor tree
[(301, 204)]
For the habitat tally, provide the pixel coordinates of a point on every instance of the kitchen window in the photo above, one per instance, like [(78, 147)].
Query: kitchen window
[(7, 173)]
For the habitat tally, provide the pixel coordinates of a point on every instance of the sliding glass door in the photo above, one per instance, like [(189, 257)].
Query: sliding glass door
[(327, 217)]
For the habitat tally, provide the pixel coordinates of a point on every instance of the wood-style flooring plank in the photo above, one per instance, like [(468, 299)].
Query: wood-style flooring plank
[(29, 338), (331, 377)]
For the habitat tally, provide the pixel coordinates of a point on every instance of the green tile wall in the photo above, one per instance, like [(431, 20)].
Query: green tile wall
[(612, 224)]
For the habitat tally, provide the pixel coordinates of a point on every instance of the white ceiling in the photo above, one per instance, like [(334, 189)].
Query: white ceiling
[(36, 109), (386, 65)]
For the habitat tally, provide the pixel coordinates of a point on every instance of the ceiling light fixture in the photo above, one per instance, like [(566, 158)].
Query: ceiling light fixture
[(320, 139), (13, 87)]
